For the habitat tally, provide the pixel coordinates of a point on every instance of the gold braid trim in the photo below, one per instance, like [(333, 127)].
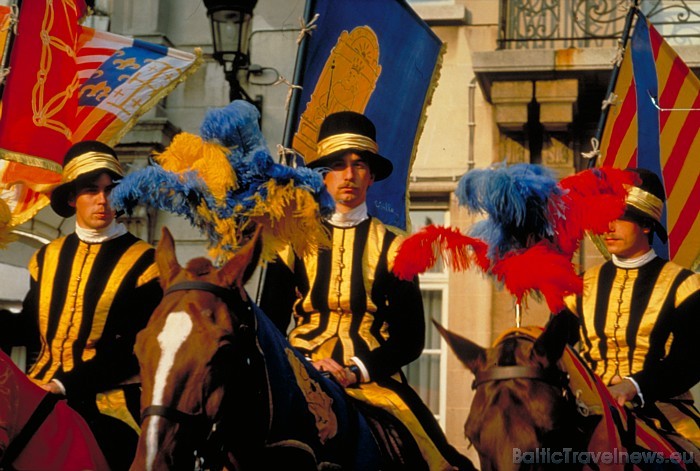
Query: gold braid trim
[(645, 202), (88, 162), (30, 160), (344, 141)]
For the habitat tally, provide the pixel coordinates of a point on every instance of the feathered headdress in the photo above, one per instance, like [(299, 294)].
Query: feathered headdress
[(225, 182), (533, 227)]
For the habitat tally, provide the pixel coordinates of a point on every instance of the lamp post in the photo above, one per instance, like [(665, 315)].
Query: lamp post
[(230, 31)]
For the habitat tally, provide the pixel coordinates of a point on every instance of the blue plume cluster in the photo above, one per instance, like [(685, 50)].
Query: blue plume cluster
[(518, 200), (236, 127)]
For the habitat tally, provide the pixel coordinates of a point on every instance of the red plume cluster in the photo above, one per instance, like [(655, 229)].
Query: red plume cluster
[(590, 200), (419, 252)]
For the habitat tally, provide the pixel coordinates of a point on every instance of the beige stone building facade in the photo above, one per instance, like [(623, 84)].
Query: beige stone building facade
[(516, 85)]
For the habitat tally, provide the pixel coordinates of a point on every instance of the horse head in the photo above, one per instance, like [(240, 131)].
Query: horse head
[(520, 393), (200, 331)]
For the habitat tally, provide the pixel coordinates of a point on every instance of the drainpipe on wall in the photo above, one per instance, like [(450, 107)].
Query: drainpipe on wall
[(484, 324), (471, 123)]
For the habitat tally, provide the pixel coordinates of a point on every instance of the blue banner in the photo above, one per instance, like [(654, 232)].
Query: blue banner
[(376, 57)]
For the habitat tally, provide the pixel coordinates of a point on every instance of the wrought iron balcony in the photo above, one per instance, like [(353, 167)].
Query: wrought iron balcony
[(562, 24)]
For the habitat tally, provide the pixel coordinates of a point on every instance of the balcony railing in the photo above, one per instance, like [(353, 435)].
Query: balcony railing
[(561, 24)]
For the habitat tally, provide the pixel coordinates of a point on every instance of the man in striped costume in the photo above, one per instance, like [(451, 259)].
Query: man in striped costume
[(353, 317), (90, 293), (640, 317)]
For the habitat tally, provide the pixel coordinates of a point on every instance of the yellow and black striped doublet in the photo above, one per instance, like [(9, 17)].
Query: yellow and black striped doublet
[(643, 323), (351, 304), (347, 303), (90, 301)]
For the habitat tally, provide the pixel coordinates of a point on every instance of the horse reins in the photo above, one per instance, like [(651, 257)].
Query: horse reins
[(171, 413), (175, 415), (551, 376)]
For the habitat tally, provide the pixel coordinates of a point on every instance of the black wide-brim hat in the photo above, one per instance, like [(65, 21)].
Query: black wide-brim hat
[(350, 131), (83, 162), (645, 201)]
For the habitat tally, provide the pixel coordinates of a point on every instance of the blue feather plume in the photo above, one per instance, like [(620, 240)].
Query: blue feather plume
[(183, 193), (518, 200)]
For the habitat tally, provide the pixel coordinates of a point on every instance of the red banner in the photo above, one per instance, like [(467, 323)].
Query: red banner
[(34, 129), (70, 83)]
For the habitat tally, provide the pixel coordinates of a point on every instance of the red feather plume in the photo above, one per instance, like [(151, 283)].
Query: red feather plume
[(593, 199), (420, 251), (541, 268)]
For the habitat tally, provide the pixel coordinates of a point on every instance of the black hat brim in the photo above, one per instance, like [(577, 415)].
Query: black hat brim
[(381, 167), (640, 217), (62, 193), (59, 200)]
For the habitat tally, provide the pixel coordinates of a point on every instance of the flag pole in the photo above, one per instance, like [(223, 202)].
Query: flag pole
[(613, 81), (299, 70)]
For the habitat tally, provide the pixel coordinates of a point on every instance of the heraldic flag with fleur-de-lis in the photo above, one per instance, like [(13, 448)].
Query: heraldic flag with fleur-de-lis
[(78, 84)]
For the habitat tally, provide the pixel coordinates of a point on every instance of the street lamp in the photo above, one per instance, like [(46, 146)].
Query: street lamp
[(230, 31)]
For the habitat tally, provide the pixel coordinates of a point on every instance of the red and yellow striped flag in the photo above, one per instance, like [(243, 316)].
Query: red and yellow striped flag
[(654, 124)]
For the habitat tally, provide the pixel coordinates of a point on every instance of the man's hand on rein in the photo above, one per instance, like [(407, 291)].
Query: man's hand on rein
[(342, 374)]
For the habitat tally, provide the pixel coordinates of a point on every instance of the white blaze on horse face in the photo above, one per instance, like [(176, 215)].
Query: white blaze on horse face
[(175, 331)]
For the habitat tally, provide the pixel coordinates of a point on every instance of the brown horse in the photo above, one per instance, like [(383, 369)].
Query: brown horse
[(59, 438), (537, 406), (222, 388)]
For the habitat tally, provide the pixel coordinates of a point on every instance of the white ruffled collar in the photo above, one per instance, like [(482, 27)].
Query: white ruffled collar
[(350, 219), (635, 262), (98, 236)]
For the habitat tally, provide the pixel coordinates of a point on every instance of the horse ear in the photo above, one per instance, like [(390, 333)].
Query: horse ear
[(235, 270), (470, 354), (166, 260), (562, 329)]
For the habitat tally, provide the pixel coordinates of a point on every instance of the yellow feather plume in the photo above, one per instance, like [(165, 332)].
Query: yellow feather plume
[(191, 152), (289, 216)]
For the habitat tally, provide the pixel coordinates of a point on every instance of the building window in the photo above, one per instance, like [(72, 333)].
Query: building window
[(427, 374)]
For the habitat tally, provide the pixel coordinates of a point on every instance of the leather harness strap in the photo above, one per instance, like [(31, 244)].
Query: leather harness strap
[(220, 291), (500, 373), (174, 415), (171, 413)]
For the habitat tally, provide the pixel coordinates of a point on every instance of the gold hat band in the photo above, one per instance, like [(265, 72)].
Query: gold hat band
[(645, 202), (88, 162), (339, 142)]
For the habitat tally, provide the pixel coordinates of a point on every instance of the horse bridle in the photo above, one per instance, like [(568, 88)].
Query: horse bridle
[(551, 376), (171, 413)]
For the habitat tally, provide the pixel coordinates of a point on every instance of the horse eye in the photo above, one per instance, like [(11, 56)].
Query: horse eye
[(208, 313), (226, 341)]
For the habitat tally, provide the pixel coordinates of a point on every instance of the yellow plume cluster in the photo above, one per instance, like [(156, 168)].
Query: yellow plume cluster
[(289, 216), (191, 152), (230, 238)]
